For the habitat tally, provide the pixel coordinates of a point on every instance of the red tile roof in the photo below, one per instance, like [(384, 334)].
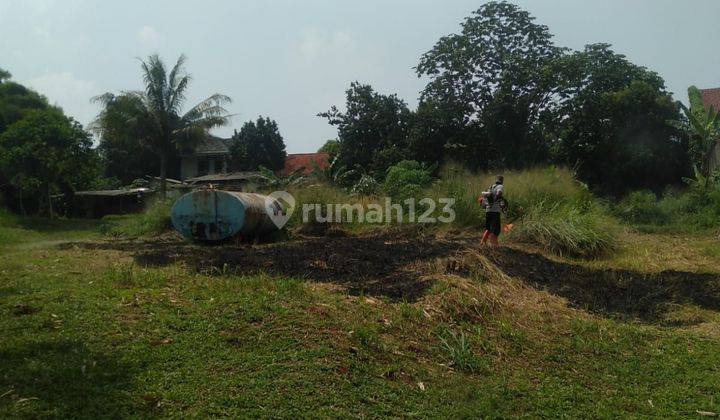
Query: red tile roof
[(305, 163), (711, 98)]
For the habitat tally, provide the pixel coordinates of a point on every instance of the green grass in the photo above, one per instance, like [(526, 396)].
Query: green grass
[(690, 210), (154, 220), (89, 333), (28, 230)]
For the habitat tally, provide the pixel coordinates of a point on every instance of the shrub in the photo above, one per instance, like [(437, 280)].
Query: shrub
[(153, 221), (640, 207), (406, 179), (694, 209), (366, 186)]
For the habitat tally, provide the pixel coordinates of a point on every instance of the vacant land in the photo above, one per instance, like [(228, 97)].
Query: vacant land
[(389, 322)]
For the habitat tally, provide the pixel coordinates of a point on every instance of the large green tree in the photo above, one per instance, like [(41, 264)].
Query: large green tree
[(47, 153), (499, 75), (258, 143), (373, 131), (16, 101), (617, 124), (155, 115)]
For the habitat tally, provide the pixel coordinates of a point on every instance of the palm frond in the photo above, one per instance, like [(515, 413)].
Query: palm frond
[(208, 113), (155, 78), (178, 82)]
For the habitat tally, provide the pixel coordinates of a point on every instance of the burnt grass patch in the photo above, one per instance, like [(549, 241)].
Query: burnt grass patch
[(376, 265), (623, 294), (384, 264)]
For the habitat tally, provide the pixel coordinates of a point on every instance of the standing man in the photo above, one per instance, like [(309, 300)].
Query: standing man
[(493, 202)]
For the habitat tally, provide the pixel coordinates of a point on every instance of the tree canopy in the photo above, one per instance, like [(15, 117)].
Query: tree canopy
[(499, 73), (373, 131), (47, 153), (258, 143), (155, 115), (501, 94), (16, 101)]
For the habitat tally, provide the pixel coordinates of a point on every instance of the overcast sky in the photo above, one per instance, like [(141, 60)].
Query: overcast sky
[(292, 59)]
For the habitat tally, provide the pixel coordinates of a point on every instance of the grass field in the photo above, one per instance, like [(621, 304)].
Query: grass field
[(427, 326)]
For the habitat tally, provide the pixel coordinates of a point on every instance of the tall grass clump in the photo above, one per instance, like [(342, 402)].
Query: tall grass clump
[(153, 221), (694, 209), (325, 195), (9, 232), (547, 206), (566, 229)]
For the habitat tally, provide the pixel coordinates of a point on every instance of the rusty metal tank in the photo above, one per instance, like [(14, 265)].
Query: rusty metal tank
[(214, 215)]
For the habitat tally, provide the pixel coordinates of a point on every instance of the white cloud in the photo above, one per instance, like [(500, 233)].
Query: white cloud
[(316, 44), (71, 94), (148, 36)]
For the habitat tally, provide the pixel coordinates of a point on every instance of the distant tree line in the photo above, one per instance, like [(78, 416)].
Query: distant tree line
[(502, 95)]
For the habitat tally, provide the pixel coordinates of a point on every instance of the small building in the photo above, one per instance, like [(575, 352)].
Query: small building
[(711, 99), (304, 163), (234, 181), (96, 204), (208, 157)]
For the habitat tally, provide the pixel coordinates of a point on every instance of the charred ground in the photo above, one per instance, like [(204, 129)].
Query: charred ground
[(391, 264)]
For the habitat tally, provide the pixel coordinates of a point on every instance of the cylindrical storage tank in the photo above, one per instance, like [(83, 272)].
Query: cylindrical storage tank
[(214, 215)]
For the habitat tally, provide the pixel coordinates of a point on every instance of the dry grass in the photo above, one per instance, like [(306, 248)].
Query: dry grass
[(654, 253), (471, 288)]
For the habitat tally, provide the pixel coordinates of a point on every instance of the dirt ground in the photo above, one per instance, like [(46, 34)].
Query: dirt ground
[(386, 264)]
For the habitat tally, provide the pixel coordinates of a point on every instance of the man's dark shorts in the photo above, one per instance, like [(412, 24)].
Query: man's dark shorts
[(492, 222)]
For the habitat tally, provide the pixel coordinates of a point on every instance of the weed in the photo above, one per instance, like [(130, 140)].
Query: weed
[(457, 348)]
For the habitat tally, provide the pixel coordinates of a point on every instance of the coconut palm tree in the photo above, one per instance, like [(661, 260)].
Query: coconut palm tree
[(154, 115)]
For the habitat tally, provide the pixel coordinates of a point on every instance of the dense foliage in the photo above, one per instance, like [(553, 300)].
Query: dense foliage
[(406, 179), (501, 94), (258, 143), (44, 154), (16, 101), (373, 131), (618, 124)]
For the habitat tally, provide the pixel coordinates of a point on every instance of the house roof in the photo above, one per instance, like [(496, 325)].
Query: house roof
[(304, 163), (208, 146), (115, 193), (232, 176), (711, 98)]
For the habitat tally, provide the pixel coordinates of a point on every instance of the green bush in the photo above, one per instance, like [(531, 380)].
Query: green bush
[(153, 221), (640, 207), (695, 209), (406, 180)]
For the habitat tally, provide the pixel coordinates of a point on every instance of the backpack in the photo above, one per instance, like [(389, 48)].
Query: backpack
[(489, 198)]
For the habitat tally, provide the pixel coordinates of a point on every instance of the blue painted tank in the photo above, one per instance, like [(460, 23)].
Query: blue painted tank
[(214, 215)]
